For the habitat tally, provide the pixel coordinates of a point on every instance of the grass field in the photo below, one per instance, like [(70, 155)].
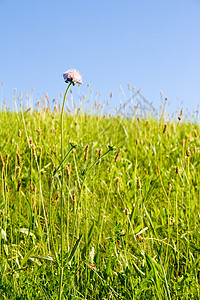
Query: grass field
[(130, 219)]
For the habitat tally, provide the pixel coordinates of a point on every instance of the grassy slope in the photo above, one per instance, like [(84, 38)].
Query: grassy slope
[(137, 218)]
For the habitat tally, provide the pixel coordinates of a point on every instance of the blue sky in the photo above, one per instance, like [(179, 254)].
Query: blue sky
[(152, 45)]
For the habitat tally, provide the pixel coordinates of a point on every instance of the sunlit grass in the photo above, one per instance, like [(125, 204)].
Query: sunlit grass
[(131, 217)]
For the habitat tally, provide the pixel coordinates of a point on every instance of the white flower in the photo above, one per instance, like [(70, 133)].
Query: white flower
[(72, 76)]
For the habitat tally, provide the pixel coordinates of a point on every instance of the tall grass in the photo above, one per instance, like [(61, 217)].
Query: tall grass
[(130, 213)]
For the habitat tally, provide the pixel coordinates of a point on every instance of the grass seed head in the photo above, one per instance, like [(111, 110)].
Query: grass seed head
[(181, 115), (86, 152), (19, 187), (139, 183), (195, 133), (165, 128), (2, 160), (7, 188), (33, 151), (170, 187), (18, 171), (74, 198), (188, 153), (19, 160), (68, 168), (118, 155), (158, 169)]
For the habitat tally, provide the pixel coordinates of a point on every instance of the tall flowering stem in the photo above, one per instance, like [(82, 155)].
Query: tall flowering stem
[(71, 77), (62, 199)]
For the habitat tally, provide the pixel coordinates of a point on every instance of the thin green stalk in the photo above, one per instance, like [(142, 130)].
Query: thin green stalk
[(61, 200)]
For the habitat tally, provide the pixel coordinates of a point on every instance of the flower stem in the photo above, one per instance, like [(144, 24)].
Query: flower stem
[(62, 200)]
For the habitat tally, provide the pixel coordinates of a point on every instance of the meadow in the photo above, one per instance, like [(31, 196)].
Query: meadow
[(130, 219)]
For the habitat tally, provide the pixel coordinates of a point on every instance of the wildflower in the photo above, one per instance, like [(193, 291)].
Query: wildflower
[(73, 77)]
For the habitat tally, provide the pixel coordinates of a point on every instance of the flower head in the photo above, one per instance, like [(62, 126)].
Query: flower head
[(72, 76)]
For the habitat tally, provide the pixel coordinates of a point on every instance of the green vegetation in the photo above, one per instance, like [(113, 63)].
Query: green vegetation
[(131, 216)]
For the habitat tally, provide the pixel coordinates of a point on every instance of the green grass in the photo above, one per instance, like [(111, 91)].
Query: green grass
[(131, 227)]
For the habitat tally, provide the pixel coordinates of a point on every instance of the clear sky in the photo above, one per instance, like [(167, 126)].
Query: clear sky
[(153, 45)]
